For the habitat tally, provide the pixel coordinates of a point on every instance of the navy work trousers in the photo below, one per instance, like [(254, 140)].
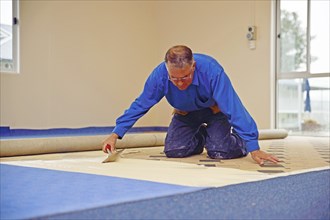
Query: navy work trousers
[(188, 135)]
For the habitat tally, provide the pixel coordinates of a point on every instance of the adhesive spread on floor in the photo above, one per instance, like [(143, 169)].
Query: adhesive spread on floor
[(295, 153)]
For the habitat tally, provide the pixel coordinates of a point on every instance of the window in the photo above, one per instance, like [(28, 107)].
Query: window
[(9, 39), (303, 68)]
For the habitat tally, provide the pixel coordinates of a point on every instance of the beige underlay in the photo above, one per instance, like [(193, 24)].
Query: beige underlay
[(297, 154)]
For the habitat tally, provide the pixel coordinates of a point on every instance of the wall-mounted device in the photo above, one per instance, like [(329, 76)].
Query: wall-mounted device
[(252, 36), (252, 33)]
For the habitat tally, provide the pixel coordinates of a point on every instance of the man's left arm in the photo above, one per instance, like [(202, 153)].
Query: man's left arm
[(242, 122)]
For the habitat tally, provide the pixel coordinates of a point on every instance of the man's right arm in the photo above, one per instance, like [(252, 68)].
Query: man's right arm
[(152, 93)]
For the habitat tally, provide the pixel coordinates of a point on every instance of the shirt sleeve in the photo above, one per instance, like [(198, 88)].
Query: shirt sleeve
[(231, 105), (151, 94)]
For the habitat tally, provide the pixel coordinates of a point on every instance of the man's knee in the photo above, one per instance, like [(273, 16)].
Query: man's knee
[(237, 153), (228, 148), (179, 153), (217, 155), (183, 152)]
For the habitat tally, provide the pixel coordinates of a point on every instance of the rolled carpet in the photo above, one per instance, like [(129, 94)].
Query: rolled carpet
[(32, 146)]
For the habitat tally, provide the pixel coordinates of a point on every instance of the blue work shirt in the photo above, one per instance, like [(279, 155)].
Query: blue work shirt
[(210, 86)]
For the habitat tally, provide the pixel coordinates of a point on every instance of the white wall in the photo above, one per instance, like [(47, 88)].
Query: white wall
[(219, 28), (84, 62)]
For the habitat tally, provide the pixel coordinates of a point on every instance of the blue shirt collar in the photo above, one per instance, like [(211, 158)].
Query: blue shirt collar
[(195, 79)]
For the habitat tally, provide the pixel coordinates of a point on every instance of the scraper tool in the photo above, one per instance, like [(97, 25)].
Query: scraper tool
[(112, 156)]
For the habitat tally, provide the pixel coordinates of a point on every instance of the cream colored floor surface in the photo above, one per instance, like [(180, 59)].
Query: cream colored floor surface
[(297, 154)]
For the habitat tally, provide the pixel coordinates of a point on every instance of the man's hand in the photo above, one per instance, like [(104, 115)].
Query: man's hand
[(110, 143), (260, 157)]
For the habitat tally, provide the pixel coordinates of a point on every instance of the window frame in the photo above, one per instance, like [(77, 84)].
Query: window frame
[(295, 74), (15, 40)]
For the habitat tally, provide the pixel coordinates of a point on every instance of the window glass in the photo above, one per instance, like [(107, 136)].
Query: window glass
[(293, 43), (320, 35), (304, 105)]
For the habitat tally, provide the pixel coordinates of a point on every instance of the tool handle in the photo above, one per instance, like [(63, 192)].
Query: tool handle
[(108, 148)]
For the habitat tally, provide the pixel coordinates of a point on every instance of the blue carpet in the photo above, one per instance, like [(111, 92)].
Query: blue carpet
[(48, 194), (8, 133), (34, 193), (303, 196)]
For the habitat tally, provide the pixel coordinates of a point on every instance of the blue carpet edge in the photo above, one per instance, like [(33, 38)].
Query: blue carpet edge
[(74, 214), (185, 189)]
